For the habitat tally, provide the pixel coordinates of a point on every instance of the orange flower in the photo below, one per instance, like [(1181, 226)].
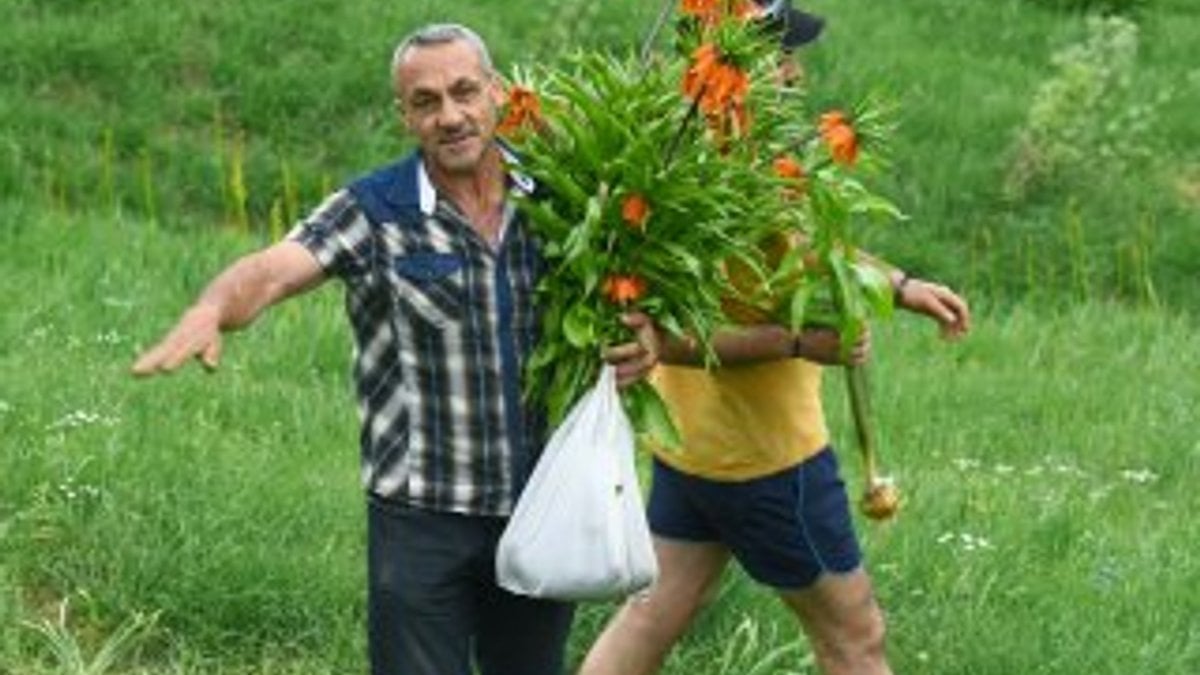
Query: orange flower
[(635, 211), (624, 288), (833, 118), (524, 111), (839, 135), (708, 11), (715, 84), (718, 88), (789, 169), (747, 11), (704, 62)]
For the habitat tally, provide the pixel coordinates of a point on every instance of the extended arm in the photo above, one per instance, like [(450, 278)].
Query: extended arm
[(230, 302)]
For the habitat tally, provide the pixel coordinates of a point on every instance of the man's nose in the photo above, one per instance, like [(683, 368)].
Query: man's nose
[(452, 115)]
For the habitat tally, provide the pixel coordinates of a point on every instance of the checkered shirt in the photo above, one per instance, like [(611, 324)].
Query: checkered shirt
[(443, 323)]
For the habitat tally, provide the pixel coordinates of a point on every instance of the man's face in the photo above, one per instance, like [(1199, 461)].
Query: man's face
[(450, 102)]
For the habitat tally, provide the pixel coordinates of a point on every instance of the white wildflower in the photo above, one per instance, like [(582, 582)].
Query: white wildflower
[(966, 464), (967, 541), (82, 418), (110, 337), (1139, 476)]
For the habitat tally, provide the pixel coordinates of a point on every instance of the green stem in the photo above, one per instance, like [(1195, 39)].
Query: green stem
[(663, 14), (860, 407), (683, 126)]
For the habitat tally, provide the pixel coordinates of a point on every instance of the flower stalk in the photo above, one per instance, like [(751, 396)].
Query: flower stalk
[(881, 497)]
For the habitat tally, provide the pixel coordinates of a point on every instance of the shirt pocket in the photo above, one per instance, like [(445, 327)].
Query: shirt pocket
[(430, 286)]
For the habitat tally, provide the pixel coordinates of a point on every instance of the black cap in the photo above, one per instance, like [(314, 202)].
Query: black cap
[(795, 28)]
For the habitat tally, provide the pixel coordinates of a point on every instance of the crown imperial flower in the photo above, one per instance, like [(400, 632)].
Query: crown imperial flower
[(839, 136), (635, 211), (523, 111), (623, 289)]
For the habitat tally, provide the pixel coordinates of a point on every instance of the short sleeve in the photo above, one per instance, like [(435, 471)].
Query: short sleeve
[(338, 235)]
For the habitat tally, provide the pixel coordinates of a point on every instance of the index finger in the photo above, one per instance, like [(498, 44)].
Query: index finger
[(148, 362)]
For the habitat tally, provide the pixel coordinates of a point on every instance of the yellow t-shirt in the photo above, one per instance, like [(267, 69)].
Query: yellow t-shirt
[(742, 422)]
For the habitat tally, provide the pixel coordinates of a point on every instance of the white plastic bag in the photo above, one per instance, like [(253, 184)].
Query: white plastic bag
[(579, 529)]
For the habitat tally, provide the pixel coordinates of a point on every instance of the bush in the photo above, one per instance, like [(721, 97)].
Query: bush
[(1085, 122)]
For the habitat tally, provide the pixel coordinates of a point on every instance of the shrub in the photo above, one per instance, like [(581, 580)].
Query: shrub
[(1085, 122)]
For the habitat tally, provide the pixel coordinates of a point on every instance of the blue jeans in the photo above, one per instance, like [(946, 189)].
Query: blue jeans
[(433, 603)]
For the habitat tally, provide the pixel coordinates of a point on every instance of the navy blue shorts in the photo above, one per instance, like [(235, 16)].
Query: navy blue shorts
[(785, 529)]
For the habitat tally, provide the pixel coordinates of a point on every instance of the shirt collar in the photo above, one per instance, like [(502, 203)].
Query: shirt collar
[(518, 181)]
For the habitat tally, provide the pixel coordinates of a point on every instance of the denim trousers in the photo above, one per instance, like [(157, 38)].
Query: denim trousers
[(433, 606)]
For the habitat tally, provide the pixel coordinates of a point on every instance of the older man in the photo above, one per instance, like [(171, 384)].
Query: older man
[(439, 271)]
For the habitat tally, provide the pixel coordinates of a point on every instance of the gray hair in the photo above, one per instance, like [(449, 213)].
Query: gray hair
[(438, 34)]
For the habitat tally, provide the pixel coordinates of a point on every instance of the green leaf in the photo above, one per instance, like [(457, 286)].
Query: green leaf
[(876, 288), (650, 416), (798, 306), (874, 205), (579, 326)]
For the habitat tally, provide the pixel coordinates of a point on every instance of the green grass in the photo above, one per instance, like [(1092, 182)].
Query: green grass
[(153, 107), (132, 473), (215, 521), (964, 76), (1046, 463)]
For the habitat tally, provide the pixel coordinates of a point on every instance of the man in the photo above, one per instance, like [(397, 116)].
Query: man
[(757, 481), (439, 273)]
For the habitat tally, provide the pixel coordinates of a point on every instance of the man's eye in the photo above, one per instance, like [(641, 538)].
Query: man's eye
[(423, 104), (466, 94)]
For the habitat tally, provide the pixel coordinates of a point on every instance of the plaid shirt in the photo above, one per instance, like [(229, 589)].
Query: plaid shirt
[(443, 323)]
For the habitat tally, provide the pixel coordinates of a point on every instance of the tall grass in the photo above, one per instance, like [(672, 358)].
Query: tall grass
[(189, 113), (1047, 464), (965, 76)]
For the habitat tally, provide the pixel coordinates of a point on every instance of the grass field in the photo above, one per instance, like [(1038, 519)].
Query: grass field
[(217, 112), (1048, 464), (205, 524)]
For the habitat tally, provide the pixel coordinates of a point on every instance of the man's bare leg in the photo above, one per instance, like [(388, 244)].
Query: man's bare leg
[(638, 639), (843, 622)]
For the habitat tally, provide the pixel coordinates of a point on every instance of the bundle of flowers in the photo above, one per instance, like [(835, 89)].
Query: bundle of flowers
[(657, 178), (637, 211)]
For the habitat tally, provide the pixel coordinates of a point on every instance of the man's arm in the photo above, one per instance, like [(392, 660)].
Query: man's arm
[(753, 344), (919, 296), (230, 302), (935, 301), (768, 342)]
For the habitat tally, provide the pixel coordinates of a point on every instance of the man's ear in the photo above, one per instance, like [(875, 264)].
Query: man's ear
[(401, 115)]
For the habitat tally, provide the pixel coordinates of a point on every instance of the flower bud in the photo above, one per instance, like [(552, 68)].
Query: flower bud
[(881, 499)]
